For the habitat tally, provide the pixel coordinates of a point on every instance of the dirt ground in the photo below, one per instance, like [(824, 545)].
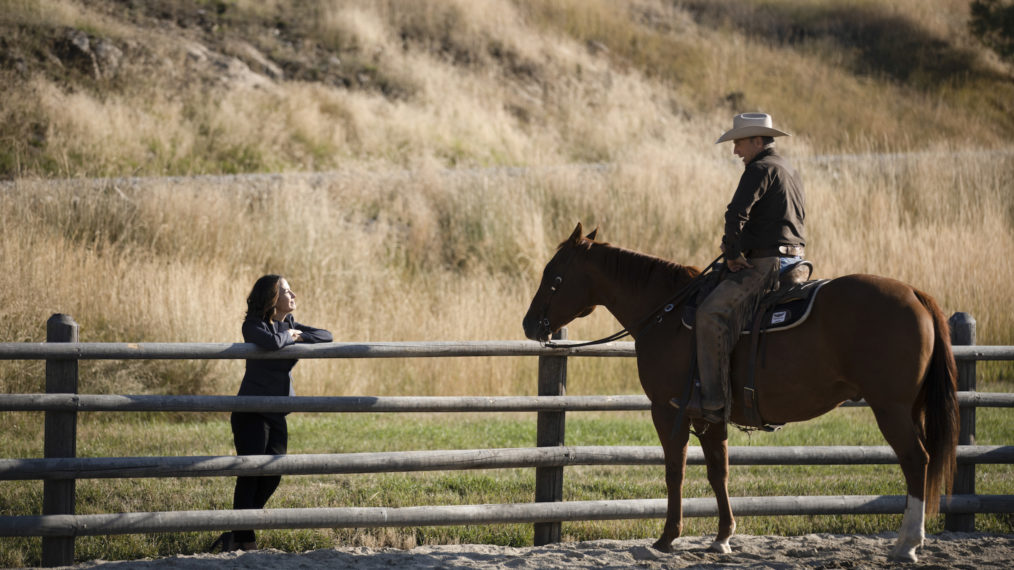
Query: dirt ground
[(946, 550)]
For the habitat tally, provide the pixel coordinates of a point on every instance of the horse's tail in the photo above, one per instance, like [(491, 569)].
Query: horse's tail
[(939, 409)]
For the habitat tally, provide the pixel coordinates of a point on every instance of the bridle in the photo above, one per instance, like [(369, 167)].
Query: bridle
[(557, 282), (654, 316)]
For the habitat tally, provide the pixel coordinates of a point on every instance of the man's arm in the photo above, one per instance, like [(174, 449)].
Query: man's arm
[(750, 189)]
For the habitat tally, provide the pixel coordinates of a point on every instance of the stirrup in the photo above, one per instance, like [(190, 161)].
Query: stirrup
[(712, 416)]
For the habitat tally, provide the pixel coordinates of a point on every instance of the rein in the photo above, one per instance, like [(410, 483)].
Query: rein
[(667, 306)]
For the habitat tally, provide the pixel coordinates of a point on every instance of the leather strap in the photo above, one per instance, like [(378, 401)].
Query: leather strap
[(780, 251), (751, 405)]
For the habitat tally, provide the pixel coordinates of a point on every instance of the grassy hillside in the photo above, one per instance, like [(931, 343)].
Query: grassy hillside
[(417, 113), (411, 165), (116, 87)]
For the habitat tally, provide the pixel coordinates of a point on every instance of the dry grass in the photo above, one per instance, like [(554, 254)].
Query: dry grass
[(459, 142), (445, 255), (392, 245), (482, 83)]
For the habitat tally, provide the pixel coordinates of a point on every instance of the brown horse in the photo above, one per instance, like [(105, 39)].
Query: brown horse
[(867, 337)]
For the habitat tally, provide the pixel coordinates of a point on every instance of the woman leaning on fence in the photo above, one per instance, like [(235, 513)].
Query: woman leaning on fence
[(269, 325)]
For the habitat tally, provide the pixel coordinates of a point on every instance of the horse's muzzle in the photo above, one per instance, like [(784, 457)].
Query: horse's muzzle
[(536, 329)]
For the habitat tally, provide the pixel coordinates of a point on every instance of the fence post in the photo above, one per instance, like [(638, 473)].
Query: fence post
[(58, 497), (549, 480), (963, 333)]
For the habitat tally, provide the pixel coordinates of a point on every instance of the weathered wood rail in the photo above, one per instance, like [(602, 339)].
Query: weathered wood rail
[(60, 468)]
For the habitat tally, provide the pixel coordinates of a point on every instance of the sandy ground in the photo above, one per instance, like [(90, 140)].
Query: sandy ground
[(947, 550)]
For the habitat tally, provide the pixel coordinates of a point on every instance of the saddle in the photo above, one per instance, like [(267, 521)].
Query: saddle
[(784, 308)]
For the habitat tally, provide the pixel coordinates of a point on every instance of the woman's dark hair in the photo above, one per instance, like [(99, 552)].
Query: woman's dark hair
[(260, 304)]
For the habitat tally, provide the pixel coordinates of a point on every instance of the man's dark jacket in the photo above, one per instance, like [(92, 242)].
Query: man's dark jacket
[(767, 209)]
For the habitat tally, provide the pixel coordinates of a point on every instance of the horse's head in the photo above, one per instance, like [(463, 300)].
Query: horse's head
[(564, 294)]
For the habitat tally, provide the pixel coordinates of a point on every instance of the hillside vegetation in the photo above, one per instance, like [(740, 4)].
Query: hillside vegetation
[(411, 165), (426, 156), (122, 87)]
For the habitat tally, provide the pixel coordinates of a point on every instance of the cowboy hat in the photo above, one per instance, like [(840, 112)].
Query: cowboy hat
[(751, 125)]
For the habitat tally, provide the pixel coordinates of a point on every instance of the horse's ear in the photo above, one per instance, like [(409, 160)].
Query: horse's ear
[(591, 235), (575, 237)]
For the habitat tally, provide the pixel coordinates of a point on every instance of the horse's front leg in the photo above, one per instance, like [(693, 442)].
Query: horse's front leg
[(674, 447), (715, 445)]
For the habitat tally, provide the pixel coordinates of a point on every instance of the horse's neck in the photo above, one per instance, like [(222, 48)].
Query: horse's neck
[(632, 284)]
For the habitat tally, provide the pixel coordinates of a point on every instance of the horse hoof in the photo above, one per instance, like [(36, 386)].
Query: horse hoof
[(902, 554), (663, 546), (721, 547)]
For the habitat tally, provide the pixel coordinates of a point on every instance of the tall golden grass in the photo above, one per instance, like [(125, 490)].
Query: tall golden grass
[(482, 132), (455, 255)]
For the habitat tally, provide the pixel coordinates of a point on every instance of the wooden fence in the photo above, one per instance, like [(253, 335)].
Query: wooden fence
[(60, 468)]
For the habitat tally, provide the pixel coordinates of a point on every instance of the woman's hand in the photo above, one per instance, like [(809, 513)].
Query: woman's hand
[(297, 335)]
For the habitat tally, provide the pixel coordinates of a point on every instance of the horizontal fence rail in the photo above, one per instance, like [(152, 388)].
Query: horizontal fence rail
[(347, 404), (440, 460), (434, 349), (239, 350), (441, 515), (110, 403)]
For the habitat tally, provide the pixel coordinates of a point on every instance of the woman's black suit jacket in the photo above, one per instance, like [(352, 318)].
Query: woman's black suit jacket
[(274, 377)]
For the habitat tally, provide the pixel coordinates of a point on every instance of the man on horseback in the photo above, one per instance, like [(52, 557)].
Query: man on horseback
[(763, 234)]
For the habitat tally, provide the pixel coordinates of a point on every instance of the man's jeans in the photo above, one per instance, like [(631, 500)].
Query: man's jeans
[(721, 317)]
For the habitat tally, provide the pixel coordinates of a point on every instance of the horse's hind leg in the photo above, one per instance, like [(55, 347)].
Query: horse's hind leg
[(898, 427), (715, 445)]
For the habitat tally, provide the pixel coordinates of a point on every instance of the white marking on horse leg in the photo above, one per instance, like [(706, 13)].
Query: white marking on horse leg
[(721, 546), (912, 532)]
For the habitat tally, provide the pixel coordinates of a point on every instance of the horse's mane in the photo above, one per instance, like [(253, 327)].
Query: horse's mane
[(638, 266)]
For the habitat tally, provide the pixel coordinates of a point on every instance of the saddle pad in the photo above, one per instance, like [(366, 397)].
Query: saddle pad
[(791, 308)]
